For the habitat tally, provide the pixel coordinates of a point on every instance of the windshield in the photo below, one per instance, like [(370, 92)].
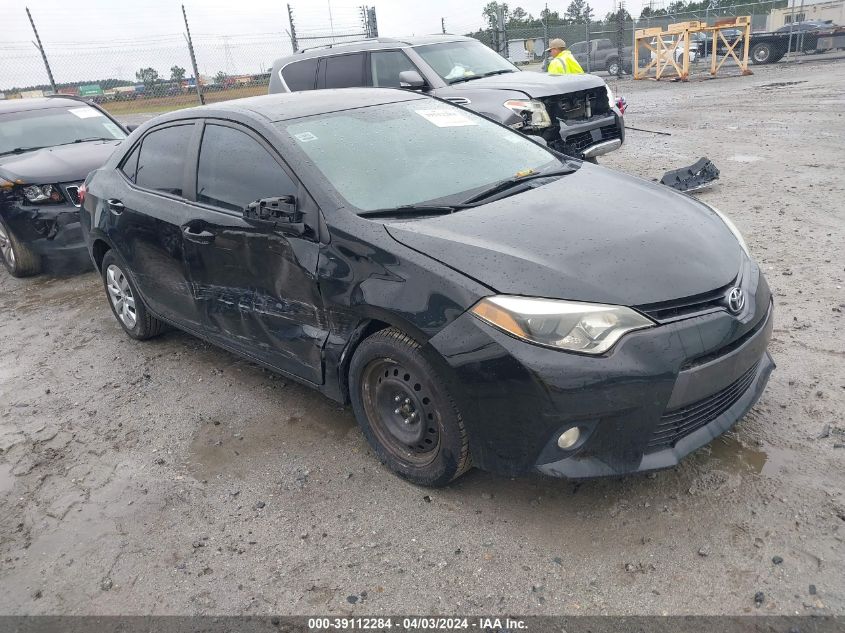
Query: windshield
[(413, 152), (54, 126), (462, 61)]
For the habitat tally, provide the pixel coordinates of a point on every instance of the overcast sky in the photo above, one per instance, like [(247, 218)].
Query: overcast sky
[(97, 39)]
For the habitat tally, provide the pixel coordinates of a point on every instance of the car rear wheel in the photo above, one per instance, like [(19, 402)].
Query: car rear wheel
[(18, 259), (126, 304), (405, 411)]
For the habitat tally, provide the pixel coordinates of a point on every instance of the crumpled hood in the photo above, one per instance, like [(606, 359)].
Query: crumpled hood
[(594, 235), (63, 163), (533, 84)]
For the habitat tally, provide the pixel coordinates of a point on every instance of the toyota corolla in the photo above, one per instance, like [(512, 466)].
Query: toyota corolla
[(479, 299)]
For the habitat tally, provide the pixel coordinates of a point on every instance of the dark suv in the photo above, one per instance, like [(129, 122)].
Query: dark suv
[(575, 114), (47, 148)]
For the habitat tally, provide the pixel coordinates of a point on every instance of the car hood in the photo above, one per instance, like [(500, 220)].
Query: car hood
[(533, 84), (63, 163), (594, 235)]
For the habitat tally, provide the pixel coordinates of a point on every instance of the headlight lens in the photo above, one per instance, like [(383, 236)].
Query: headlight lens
[(533, 112), (588, 328), (732, 228), (610, 102), (42, 193)]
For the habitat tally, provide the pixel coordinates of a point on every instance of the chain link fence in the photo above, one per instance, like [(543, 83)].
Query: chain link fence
[(606, 46), (155, 73)]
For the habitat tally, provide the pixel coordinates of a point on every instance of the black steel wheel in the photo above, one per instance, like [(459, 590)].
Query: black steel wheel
[(405, 411)]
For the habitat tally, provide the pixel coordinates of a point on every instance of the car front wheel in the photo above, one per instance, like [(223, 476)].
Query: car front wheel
[(405, 411), (18, 259), (126, 304)]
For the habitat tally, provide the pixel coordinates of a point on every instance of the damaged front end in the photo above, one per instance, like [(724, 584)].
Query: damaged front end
[(45, 218), (585, 124)]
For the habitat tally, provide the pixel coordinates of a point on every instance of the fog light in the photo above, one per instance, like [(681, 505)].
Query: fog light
[(569, 438)]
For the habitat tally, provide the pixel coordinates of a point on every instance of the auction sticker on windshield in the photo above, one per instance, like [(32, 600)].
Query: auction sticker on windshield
[(446, 118), (85, 113)]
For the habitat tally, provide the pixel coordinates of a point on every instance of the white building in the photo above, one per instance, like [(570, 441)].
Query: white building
[(798, 11)]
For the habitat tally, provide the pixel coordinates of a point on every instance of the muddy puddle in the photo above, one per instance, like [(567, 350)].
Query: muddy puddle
[(739, 457), (238, 447)]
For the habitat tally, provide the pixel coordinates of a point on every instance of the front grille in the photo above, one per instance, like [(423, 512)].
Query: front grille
[(581, 141), (679, 423), (72, 192), (666, 311)]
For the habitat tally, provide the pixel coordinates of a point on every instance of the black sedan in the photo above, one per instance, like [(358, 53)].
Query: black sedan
[(47, 148), (478, 298)]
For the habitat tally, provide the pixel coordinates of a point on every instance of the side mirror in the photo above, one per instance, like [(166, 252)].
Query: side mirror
[(280, 211), (132, 128), (411, 79)]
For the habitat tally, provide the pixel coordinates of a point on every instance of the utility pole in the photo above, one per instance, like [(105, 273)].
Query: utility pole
[(546, 27), (41, 49), (193, 58), (620, 36), (443, 25), (293, 43)]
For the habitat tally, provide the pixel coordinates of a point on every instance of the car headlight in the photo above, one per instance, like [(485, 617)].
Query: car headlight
[(610, 102), (732, 228), (532, 111), (588, 328), (42, 193)]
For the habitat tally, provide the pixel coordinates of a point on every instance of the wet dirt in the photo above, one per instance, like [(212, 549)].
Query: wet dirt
[(171, 477)]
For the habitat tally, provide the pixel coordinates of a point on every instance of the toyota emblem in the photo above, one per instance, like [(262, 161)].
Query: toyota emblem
[(736, 300)]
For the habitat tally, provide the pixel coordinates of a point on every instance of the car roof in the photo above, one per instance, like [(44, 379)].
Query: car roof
[(293, 105), (37, 103), (373, 44)]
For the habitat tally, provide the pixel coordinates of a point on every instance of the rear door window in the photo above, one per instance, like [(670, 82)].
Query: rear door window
[(385, 67), (235, 169), (161, 165), (300, 75), (343, 71)]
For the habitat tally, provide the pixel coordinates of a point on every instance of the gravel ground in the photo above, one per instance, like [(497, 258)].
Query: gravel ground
[(171, 477)]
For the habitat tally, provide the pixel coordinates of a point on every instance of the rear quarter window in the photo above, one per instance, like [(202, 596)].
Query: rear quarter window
[(300, 75)]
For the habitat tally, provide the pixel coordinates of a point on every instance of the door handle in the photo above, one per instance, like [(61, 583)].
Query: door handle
[(115, 206), (198, 236)]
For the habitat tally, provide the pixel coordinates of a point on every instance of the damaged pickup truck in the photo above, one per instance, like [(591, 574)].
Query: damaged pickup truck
[(47, 148), (574, 114)]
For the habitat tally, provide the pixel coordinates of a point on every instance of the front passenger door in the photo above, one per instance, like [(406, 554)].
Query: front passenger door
[(255, 285)]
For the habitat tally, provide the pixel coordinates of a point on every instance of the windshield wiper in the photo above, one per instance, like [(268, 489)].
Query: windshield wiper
[(412, 209), (509, 183), (20, 150), (504, 71), (85, 140)]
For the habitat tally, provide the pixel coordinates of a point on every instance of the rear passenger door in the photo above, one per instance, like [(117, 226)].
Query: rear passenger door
[(145, 219), (255, 285), (342, 71)]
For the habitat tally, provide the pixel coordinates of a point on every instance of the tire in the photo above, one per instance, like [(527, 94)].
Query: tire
[(125, 301), (405, 411), (762, 53), (17, 257), (613, 66)]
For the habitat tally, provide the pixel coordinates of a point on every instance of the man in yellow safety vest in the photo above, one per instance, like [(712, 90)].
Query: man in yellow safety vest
[(562, 62)]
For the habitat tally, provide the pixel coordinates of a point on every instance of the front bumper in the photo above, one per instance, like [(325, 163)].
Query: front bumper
[(53, 232), (593, 137), (658, 395)]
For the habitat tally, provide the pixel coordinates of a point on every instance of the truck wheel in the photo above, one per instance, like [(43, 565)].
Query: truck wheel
[(18, 259), (613, 66), (406, 412), (762, 53)]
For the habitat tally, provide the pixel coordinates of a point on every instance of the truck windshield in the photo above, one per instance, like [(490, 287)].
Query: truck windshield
[(463, 61), (47, 127), (412, 152)]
